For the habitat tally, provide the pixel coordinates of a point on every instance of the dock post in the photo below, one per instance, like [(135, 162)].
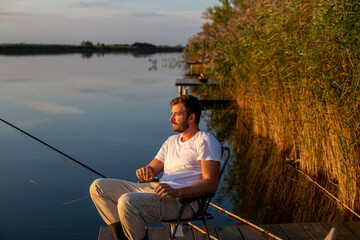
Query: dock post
[(185, 91), (180, 90)]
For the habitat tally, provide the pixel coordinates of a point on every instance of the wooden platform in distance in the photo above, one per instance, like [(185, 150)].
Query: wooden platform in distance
[(298, 231), (194, 82)]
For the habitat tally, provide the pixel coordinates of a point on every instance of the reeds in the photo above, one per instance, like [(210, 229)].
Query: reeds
[(293, 68)]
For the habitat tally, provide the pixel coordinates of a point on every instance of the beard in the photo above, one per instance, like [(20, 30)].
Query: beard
[(180, 127)]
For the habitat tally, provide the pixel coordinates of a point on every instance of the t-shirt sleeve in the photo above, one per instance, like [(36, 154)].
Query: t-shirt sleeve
[(162, 152), (210, 149)]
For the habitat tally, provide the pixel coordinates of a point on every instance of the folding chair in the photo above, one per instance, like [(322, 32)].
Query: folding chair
[(202, 201)]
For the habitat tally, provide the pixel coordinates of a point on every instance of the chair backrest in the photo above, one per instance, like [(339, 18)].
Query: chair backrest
[(204, 201), (224, 150)]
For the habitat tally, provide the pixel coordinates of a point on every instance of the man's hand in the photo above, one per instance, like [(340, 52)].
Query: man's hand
[(164, 189), (145, 174), (210, 174)]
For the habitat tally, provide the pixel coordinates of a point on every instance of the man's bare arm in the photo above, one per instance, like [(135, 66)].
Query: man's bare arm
[(210, 174), (149, 172)]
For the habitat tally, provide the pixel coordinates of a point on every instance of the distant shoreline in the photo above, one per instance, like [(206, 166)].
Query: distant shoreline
[(85, 48)]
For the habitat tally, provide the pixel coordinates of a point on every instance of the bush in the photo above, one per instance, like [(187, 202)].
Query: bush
[(86, 44)]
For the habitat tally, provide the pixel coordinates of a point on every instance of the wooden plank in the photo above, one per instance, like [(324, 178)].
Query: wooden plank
[(105, 234), (316, 230), (295, 231), (199, 236), (163, 233), (354, 227), (342, 232), (303, 231), (213, 232), (159, 233), (188, 233), (229, 233), (276, 230), (251, 233)]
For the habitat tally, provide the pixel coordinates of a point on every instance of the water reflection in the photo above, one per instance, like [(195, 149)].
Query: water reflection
[(109, 112), (262, 186), (88, 55)]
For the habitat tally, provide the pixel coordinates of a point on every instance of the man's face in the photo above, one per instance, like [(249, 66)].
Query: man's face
[(179, 118)]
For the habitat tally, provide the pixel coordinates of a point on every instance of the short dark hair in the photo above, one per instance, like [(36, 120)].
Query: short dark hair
[(192, 105)]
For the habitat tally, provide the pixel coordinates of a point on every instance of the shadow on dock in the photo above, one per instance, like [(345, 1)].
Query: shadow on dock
[(286, 231)]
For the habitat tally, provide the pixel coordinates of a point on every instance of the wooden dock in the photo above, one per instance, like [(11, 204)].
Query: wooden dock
[(299, 231), (206, 103), (181, 83), (194, 82)]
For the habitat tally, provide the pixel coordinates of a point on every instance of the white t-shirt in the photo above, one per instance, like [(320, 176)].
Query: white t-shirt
[(182, 166)]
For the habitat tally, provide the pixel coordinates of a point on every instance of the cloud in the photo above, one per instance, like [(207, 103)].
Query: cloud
[(17, 80), (16, 14), (52, 108), (30, 123), (146, 14), (109, 93), (82, 4), (146, 81), (85, 4), (98, 92), (42, 106)]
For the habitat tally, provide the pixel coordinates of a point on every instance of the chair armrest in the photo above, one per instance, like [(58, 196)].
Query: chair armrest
[(192, 199), (202, 202)]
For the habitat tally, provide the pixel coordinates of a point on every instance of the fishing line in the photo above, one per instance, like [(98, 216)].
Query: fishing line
[(67, 156)]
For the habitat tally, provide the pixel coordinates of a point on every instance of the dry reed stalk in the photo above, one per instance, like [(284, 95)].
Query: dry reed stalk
[(292, 67)]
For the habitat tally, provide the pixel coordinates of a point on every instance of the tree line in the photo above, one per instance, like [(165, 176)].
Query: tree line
[(85, 47)]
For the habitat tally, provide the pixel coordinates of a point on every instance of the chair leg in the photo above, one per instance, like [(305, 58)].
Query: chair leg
[(170, 232), (178, 221), (174, 232), (204, 218)]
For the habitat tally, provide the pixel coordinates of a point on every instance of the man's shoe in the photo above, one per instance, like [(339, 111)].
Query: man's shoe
[(118, 231), (146, 236)]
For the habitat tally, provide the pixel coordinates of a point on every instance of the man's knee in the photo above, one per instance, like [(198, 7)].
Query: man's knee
[(96, 186), (128, 202)]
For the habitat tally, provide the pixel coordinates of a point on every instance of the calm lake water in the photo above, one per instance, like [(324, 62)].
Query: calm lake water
[(110, 112)]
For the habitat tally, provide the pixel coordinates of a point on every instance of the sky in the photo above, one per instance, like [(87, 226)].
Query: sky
[(160, 22)]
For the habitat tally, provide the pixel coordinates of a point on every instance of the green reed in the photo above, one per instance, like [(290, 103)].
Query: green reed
[(292, 67)]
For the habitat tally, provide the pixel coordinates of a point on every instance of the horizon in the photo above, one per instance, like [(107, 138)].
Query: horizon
[(105, 21)]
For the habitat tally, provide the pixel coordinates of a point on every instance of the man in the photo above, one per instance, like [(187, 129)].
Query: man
[(191, 163)]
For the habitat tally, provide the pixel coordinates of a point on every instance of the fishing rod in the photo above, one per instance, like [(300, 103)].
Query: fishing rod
[(78, 162), (331, 196), (247, 222), (67, 156)]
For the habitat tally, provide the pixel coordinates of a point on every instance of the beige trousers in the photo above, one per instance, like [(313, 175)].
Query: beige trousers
[(133, 204)]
